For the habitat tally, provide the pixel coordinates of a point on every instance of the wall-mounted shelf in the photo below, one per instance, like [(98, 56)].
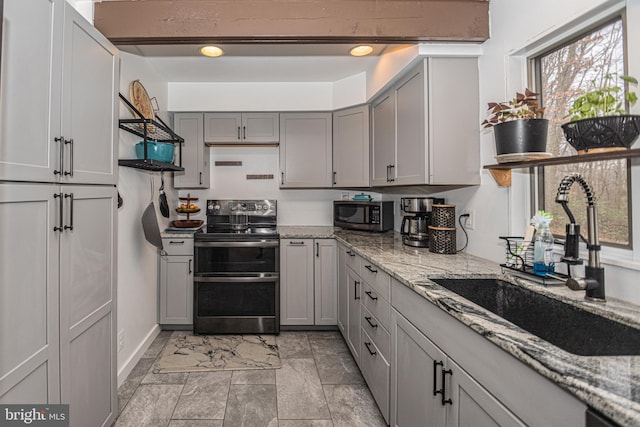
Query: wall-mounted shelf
[(150, 130), (501, 172)]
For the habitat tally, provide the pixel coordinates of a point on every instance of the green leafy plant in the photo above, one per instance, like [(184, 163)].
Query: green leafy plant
[(523, 106), (604, 100)]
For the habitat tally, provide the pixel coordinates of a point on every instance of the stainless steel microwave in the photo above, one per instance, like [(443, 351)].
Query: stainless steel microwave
[(363, 215)]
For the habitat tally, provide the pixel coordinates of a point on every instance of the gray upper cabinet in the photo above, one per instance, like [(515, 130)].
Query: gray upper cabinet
[(351, 147), (416, 137), (49, 132), (241, 128), (195, 154), (305, 150)]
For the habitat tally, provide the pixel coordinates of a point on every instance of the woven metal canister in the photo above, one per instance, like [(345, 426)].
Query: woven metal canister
[(443, 216), (442, 240)]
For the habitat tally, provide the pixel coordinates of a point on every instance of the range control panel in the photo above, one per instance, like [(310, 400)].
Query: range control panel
[(251, 207)]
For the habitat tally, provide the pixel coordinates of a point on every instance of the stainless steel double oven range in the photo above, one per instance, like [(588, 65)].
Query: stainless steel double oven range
[(237, 269)]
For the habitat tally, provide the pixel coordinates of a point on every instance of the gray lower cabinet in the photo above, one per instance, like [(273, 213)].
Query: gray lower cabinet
[(354, 286), (195, 154), (305, 150), (176, 282), (445, 374), (308, 282)]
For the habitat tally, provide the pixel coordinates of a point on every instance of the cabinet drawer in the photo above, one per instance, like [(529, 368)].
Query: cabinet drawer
[(178, 246), (376, 372), (372, 326), (376, 278), (376, 304), (353, 261)]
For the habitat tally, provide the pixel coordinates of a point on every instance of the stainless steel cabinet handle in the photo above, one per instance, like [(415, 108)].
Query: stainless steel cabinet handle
[(61, 206), (70, 142), (373, 270), (190, 270), (368, 345), (355, 289), (70, 226), (370, 295), (368, 319), (61, 141)]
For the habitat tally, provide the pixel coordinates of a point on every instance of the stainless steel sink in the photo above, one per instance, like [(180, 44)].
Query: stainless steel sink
[(570, 328)]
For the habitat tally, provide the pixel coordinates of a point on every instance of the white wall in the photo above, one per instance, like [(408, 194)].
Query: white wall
[(516, 27), (137, 259)]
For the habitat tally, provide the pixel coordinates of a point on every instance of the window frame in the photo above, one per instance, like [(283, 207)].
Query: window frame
[(534, 76)]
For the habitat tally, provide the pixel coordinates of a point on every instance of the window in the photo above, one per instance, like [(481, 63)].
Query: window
[(562, 74)]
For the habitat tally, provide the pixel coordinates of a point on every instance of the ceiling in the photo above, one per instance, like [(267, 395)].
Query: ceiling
[(258, 62)]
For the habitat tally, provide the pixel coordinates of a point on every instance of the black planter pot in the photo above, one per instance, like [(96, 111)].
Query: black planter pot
[(521, 136), (602, 133)]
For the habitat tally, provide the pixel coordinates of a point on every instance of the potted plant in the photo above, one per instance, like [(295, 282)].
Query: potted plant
[(599, 121), (518, 125)]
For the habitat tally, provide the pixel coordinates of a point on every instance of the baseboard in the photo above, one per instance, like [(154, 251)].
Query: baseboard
[(128, 366)]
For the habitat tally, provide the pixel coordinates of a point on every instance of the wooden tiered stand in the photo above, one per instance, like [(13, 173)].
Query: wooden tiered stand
[(188, 210)]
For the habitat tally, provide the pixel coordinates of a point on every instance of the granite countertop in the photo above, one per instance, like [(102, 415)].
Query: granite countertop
[(307, 231), (610, 384)]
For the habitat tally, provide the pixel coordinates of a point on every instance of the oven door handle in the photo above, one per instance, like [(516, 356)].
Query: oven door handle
[(255, 244), (237, 279)]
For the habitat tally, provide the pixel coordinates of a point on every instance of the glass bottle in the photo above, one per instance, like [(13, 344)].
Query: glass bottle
[(543, 251)]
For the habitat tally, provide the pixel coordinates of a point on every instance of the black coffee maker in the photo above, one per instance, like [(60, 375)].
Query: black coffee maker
[(417, 219)]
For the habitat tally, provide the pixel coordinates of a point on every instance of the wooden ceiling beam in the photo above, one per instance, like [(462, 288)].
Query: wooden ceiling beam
[(292, 21)]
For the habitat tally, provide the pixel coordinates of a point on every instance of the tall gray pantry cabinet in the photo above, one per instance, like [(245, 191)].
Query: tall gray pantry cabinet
[(58, 171)]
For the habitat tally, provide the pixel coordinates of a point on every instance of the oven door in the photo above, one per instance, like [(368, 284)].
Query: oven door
[(241, 257), (237, 304)]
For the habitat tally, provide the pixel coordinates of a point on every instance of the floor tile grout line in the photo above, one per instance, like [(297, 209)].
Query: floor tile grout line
[(324, 394)]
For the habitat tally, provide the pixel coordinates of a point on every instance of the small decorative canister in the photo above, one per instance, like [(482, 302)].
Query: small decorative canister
[(443, 216), (442, 240)]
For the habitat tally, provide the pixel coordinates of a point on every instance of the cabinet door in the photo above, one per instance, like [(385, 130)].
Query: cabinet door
[(222, 127), (351, 147), (305, 150), (195, 155), (410, 141), (296, 282), (325, 282), (30, 90), (474, 406), (87, 305), (260, 128), (29, 332), (89, 103), (383, 140), (176, 290), (353, 314), (414, 377), (454, 139), (342, 290), (375, 370)]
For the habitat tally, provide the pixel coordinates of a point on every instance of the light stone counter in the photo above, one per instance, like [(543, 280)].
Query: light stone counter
[(307, 231), (610, 384)]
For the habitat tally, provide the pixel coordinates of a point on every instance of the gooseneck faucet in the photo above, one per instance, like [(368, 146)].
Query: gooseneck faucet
[(593, 282)]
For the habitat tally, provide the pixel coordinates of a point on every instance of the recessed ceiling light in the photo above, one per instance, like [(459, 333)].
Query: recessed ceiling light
[(363, 50), (212, 51)]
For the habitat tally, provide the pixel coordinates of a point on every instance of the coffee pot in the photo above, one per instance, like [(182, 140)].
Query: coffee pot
[(416, 222)]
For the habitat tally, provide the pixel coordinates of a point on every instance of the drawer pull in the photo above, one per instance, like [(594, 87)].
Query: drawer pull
[(373, 270), (291, 242), (176, 242), (370, 294), (368, 345), (368, 319), (444, 387), (355, 289), (350, 253)]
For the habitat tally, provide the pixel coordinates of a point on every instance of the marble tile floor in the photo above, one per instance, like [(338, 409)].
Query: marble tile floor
[(319, 385)]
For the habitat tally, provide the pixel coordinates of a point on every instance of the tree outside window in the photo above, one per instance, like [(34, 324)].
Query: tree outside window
[(564, 74)]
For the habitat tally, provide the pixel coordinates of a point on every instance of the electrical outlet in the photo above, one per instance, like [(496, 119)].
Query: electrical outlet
[(344, 195), (470, 223), (120, 340)]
